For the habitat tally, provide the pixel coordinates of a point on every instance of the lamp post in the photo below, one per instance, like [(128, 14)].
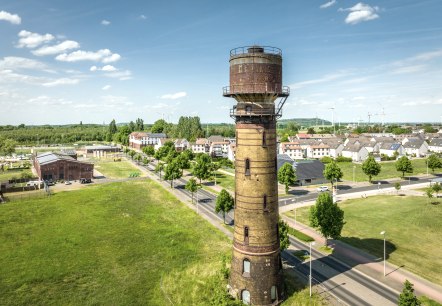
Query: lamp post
[(310, 275), (354, 169), (197, 209), (383, 234)]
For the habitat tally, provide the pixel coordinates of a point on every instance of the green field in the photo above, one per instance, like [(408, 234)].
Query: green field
[(115, 170), (12, 174), (226, 181), (129, 243), (388, 170), (413, 228)]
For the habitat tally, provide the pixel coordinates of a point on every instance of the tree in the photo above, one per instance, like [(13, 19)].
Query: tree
[(403, 165), (183, 162), (164, 150), (310, 130), (189, 154), (202, 168), (371, 167), (132, 154), (332, 172), (292, 127), (436, 188), (112, 127), (145, 161), (172, 172), (433, 162), (160, 126), (429, 192), (286, 176), (139, 124), (159, 167), (7, 146), (148, 150), (283, 231), (407, 297), (138, 158), (224, 203), (191, 186), (132, 126), (327, 217), (397, 186)]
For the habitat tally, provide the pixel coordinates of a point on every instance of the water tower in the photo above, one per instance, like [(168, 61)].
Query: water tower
[(256, 85)]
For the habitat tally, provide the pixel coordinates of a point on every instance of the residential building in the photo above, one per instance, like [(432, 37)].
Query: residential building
[(201, 145), (416, 147), (391, 148), (318, 151), (308, 172), (292, 149), (181, 144), (138, 140), (435, 145), (335, 146), (231, 153), (355, 152), (219, 149)]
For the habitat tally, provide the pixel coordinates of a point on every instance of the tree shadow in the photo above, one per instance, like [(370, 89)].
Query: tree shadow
[(382, 182), (344, 187), (299, 192), (412, 178), (373, 246)]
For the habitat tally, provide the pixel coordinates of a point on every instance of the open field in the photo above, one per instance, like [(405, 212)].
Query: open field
[(225, 181), (13, 174), (388, 170), (114, 170), (412, 226), (119, 243)]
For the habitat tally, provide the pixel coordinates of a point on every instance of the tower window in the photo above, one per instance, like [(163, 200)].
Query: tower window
[(247, 167), (264, 139), (246, 235), (245, 297), (248, 109), (273, 293), (265, 202), (246, 266), (277, 232)]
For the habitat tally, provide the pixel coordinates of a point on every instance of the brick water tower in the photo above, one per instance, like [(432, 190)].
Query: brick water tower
[(256, 85)]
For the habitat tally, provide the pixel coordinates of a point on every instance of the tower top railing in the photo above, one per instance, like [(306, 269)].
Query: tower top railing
[(255, 89), (256, 49)]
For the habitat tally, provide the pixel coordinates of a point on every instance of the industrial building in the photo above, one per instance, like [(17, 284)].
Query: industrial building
[(57, 166), (256, 84)]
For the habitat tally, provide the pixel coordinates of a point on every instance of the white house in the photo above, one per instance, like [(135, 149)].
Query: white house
[(318, 150), (181, 144), (231, 153), (335, 148), (416, 147), (138, 140), (435, 145), (292, 149), (219, 149), (355, 152), (201, 145), (390, 148)]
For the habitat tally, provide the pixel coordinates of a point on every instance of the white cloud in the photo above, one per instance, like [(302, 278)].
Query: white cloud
[(121, 75), (116, 101), (45, 100), (360, 12), (328, 4), (32, 40), (174, 96), (9, 76), (105, 22), (158, 106), (93, 68), (109, 68), (409, 69), (12, 18), (13, 62), (425, 102), (324, 79), (55, 49), (62, 81), (143, 17), (106, 87), (427, 56), (103, 55)]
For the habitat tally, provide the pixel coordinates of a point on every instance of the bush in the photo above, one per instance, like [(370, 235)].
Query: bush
[(342, 159), (326, 159)]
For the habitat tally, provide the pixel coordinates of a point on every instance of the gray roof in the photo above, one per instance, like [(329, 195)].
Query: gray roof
[(50, 157), (305, 169), (393, 146), (353, 148), (414, 143), (215, 138), (436, 142), (157, 135)]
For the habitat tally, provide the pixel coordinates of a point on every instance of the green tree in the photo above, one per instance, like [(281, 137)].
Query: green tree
[(183, 161), (148, 150), (327, 217), (434, 162), (138, 158), (7, 146), (132, 154), (332, 172), (191, 186), (139, 124), (286, 176), (407, 297), (403, 165), (429, 193), (310, 130), (159, 168), (292, 127), (145, 161), (285, 138), (283, 231), (112, 127), (164, 150), (132, 126), (371, 167), (202, 168), (189, 154), (172, 172), (436, 188), (224, 203), (397, 186), (160, 126)]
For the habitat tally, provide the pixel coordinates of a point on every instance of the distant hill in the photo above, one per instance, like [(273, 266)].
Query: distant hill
[(306, 122)]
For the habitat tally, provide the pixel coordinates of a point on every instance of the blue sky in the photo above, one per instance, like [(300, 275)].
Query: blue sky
[(66, 61)]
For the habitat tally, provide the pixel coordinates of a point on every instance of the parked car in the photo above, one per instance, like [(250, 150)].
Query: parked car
[(85, 181), (67, 183), (322, 188)]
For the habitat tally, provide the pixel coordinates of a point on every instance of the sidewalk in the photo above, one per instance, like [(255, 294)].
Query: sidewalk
[(372, 266)]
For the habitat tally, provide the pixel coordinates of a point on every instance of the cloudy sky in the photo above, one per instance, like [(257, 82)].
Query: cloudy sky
[(66, 61)]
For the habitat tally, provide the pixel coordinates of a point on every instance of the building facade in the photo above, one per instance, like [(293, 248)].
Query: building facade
[(256, 83), (54, 166)]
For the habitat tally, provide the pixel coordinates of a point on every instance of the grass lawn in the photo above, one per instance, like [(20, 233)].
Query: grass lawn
[(10, 174), (226, 181), (388, 170), (115, 244), (114, 170), (412, 226)]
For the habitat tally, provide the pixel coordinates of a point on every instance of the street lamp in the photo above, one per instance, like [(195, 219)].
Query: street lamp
[(197, 209), (354, 169), (310, 275), (383, 233)]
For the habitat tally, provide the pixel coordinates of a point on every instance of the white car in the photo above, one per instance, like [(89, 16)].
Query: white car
[(322, 188)]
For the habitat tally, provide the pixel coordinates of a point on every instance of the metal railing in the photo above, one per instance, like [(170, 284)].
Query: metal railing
[(255, 49), (256, 88)]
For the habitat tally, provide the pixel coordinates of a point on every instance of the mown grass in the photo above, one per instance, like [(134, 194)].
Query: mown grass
[(388, 170), (115, 244), (13, 174), (115, 170), (300, 235), (412, 226), (225, 181)]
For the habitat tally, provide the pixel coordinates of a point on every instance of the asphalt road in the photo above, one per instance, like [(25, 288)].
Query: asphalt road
[(347, 285)]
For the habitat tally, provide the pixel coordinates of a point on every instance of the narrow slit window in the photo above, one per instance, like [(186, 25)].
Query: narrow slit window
[(246, 235), (247, 167), (265, 202), (264, 139), (246, 266)]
